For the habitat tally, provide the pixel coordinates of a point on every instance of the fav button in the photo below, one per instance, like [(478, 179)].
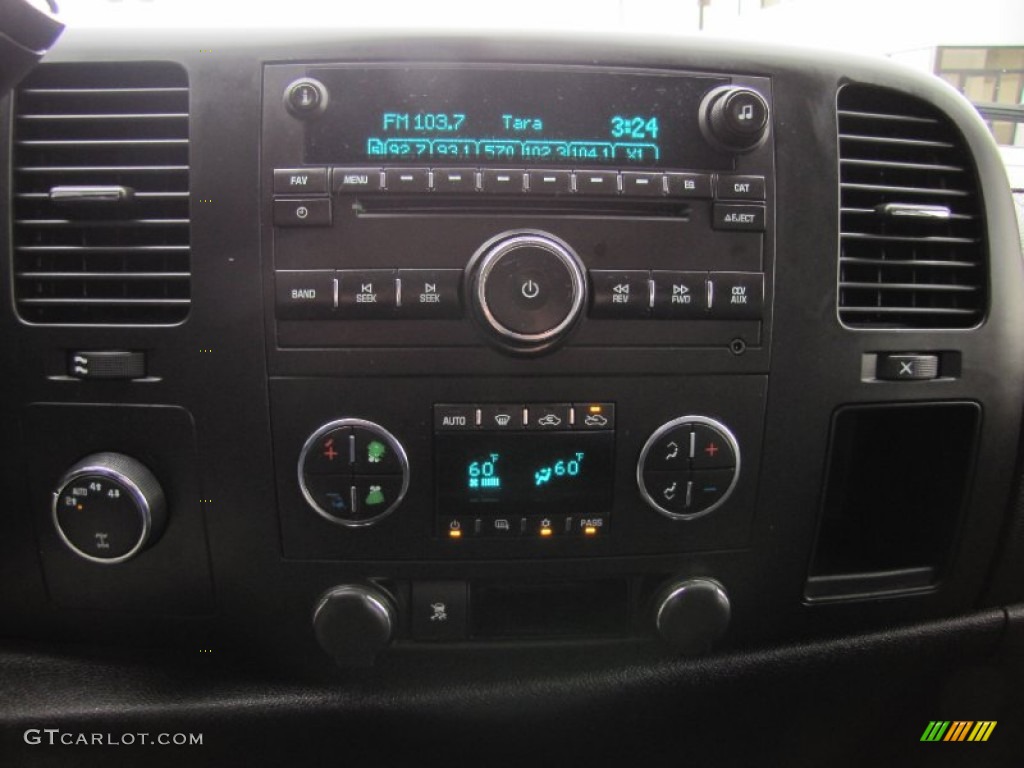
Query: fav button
[(300, 180)]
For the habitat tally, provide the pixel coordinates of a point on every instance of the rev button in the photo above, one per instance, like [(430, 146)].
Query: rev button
[(620, 293)]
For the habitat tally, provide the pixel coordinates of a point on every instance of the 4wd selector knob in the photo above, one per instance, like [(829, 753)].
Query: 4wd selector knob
[(527, 289), (734, 118), (108, 507)]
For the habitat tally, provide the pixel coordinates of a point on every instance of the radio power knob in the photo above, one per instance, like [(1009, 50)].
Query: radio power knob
[(353, 623), (734, 118), (527, 289), (690, 615), (109, 507)]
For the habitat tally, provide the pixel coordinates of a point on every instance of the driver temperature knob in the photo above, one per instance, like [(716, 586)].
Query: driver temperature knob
[(353, 623), (527, 289), (691, 614), (109, 507)]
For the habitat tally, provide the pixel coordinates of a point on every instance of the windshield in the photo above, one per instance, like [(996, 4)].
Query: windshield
[(976, 46)]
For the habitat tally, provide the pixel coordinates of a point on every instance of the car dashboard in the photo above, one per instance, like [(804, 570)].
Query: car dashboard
[(407, 386)]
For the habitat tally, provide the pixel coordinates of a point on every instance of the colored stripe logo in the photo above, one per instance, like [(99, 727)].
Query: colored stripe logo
[(958, 730)]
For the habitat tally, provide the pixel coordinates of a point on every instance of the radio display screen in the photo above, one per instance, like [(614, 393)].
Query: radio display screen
[(520, 117), (523, 474)]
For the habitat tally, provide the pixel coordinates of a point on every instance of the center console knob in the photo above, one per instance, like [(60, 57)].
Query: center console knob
[(691, 614), (353, 623), (527, 289)]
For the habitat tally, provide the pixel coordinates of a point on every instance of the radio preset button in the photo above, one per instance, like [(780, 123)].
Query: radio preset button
[(407, 180), (454, 179), (736, 295), (688, 184), (291, 181), (620, 294), (430, 293), (367, 293), (312, 212), (357, 179), (733, 187), (305, 294), (638, 184), (550, 182), (734, 216), (503, 182), (680, 294), (597, 183)]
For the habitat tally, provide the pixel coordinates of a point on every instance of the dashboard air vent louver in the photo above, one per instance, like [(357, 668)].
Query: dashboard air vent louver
[(101, 194), (912, 252)]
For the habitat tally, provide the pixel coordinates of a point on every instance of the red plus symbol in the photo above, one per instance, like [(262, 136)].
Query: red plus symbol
[(329, 451), (711, 450)]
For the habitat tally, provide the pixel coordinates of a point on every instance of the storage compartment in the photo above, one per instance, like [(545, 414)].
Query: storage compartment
[(897, 481), (545, 609)]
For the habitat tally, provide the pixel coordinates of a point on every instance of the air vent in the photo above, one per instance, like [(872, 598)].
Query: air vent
[(101, 194), (912, 251)]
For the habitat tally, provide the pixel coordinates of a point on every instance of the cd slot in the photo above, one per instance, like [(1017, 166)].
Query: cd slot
[(438, 205)]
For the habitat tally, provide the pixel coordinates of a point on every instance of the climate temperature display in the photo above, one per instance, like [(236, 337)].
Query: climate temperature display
[(523, 473)]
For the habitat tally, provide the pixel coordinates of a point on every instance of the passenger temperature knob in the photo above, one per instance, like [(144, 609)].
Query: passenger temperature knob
[(109, 507)]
